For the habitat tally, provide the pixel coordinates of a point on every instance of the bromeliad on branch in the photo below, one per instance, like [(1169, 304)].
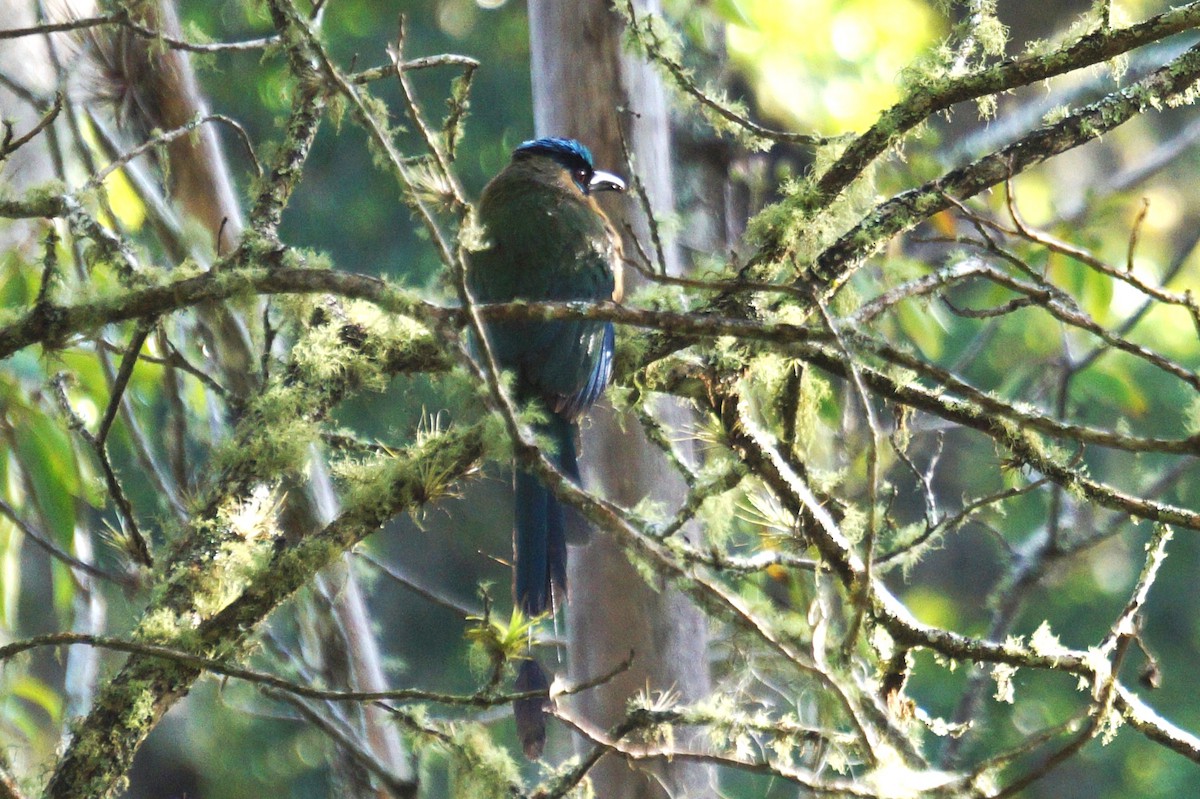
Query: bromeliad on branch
[(547, 240)]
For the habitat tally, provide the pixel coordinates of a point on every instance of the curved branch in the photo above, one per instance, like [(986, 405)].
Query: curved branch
[(1094, 48), (834, 266), (123, 19)]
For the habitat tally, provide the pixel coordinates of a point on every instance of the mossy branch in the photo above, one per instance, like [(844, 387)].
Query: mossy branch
[(271, 570), (834, 266), (927, 99), (52, 325)]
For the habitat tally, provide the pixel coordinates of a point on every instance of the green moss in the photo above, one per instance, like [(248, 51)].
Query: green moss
[(300, 563), (139, 704), (375, 488), (797, 229), (1186, 97), (632, 349), (46, 196), (496, 441), (163, 626), (661, 297), (277, 441), (988, 30), (815, 391), (767, 229), (479, 767), (250, 530), (325, 355)]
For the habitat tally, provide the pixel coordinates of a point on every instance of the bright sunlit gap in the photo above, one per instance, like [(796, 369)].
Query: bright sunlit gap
[(829, 65)]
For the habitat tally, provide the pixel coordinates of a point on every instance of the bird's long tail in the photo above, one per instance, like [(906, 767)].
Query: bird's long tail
[(540, 541), (540, 552), (528, 713)]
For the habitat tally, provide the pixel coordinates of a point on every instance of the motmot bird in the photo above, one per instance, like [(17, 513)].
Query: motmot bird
[(546, 239)]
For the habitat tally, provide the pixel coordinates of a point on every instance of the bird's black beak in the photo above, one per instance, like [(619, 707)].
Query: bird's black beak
[(605, 181)]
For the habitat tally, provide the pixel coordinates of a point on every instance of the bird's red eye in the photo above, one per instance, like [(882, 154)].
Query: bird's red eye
[(581, 176)]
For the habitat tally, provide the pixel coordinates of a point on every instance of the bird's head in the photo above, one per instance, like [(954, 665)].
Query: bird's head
[(574, 158)]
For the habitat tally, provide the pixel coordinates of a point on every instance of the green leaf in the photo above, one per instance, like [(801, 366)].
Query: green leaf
[(88, 377), (63, 587), (19, 718), (44, 451), (39, 694), (15, 290), (921, 328), (1111, 388), (1096, 294), (25, 366), (731, 11), (10, 566)]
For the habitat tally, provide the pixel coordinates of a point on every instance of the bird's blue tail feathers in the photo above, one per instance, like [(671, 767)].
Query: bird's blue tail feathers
[(528, 713), (542, 523)]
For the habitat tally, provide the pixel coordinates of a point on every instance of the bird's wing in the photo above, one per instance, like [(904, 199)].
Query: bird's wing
[(569, 362), (566, 363)]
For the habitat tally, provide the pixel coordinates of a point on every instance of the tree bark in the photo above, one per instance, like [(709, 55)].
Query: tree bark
[(581, 83)]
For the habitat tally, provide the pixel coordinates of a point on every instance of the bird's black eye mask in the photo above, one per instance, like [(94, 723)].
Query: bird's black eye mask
[(587, 178), (575, 159), (582, 175), (580, 170)]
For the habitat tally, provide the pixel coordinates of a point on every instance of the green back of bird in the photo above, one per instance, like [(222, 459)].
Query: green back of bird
[(545, 241)]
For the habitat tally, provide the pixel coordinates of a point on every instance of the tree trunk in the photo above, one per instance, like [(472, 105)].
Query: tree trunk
[(581, 83)]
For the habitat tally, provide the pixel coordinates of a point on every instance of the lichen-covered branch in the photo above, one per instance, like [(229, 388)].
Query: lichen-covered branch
[(131, 704), (925, 100), (834, 266)]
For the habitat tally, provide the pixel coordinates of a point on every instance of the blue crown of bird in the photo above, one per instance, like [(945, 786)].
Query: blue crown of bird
[(576, 158), (547, 240)]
